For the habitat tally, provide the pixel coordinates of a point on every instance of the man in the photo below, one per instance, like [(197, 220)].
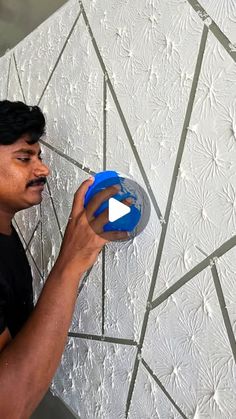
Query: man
[(32, 340)]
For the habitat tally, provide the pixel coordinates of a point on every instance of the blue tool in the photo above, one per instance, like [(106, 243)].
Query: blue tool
[(108, 178)]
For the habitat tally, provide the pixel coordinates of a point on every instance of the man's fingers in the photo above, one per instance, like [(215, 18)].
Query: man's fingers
[(79, 197), (116, 235), (99, 198), (102, 219)]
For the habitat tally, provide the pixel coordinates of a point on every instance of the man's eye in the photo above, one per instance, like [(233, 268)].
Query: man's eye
[(25, 159)]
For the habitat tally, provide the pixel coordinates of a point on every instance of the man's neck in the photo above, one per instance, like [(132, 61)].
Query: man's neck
[(6, 223), (6, 231)]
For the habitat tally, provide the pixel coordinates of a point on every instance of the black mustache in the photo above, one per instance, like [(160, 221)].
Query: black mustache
[(37, 181)]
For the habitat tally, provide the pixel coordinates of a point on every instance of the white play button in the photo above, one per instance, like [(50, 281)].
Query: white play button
[(116, 209)]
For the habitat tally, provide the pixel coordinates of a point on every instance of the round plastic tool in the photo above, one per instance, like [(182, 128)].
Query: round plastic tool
[(129, 189)]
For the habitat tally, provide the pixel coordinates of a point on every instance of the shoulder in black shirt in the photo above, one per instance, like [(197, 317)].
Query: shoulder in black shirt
[(16, 292)]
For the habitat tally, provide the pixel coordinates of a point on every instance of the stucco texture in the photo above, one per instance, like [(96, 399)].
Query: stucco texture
[(148, 88)]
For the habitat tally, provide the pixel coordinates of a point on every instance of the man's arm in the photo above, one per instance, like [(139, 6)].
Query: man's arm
[(29, 361)]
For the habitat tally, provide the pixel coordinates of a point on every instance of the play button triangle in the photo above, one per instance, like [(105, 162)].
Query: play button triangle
[(116, 209)]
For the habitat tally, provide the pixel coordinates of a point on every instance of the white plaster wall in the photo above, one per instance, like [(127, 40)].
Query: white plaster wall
[(146, 87)]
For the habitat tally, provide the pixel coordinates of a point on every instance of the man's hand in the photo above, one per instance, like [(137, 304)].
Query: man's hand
[(84, 236)]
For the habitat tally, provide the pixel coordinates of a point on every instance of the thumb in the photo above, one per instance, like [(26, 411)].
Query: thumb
[(79, 196)]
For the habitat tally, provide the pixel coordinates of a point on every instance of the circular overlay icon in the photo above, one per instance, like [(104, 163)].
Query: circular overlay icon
[(131, 218)]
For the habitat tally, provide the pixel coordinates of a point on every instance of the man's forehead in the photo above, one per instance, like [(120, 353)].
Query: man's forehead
[(22, 144)]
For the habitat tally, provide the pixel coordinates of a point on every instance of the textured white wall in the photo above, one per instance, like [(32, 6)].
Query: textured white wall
[(146, 87)]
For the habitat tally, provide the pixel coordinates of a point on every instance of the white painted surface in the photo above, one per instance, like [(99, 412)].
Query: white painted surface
[(146, 52)]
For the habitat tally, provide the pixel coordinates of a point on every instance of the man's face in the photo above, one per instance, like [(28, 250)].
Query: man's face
[(20, 167)]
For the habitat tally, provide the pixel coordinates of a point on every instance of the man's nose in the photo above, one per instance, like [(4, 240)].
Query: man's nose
[(41, 169)]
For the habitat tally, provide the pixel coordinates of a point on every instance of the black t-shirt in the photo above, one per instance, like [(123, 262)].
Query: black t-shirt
[(16, 292)]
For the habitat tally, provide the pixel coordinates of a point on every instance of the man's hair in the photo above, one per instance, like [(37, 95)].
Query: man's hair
[(18, 119)]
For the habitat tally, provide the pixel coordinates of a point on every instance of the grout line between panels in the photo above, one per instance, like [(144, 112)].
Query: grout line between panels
[(103, 288), (8, 75), (85, 278), (42, 242), (224, 310), (132, 383), (54, 210), (59, 57), (163, 388), (104, 123), (122, 117), (201, 251), (102, 338), (185, 128), (225, 247), (104, 168), (19, 230), (68, 158), (103, 250), (18, 76), (214, 28), (168, 208), (32, 235), (179, 157), (36, 266)]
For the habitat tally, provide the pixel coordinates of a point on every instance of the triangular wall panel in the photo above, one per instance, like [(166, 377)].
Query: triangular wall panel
[(47, 40), (187, 347)]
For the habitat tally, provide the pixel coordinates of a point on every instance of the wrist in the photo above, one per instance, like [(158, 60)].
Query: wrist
[(66, 271)]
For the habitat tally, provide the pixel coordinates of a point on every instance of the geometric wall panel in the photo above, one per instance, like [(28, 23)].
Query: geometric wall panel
[(105, 371), (146, 88), (193, 358), (35, 69)]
